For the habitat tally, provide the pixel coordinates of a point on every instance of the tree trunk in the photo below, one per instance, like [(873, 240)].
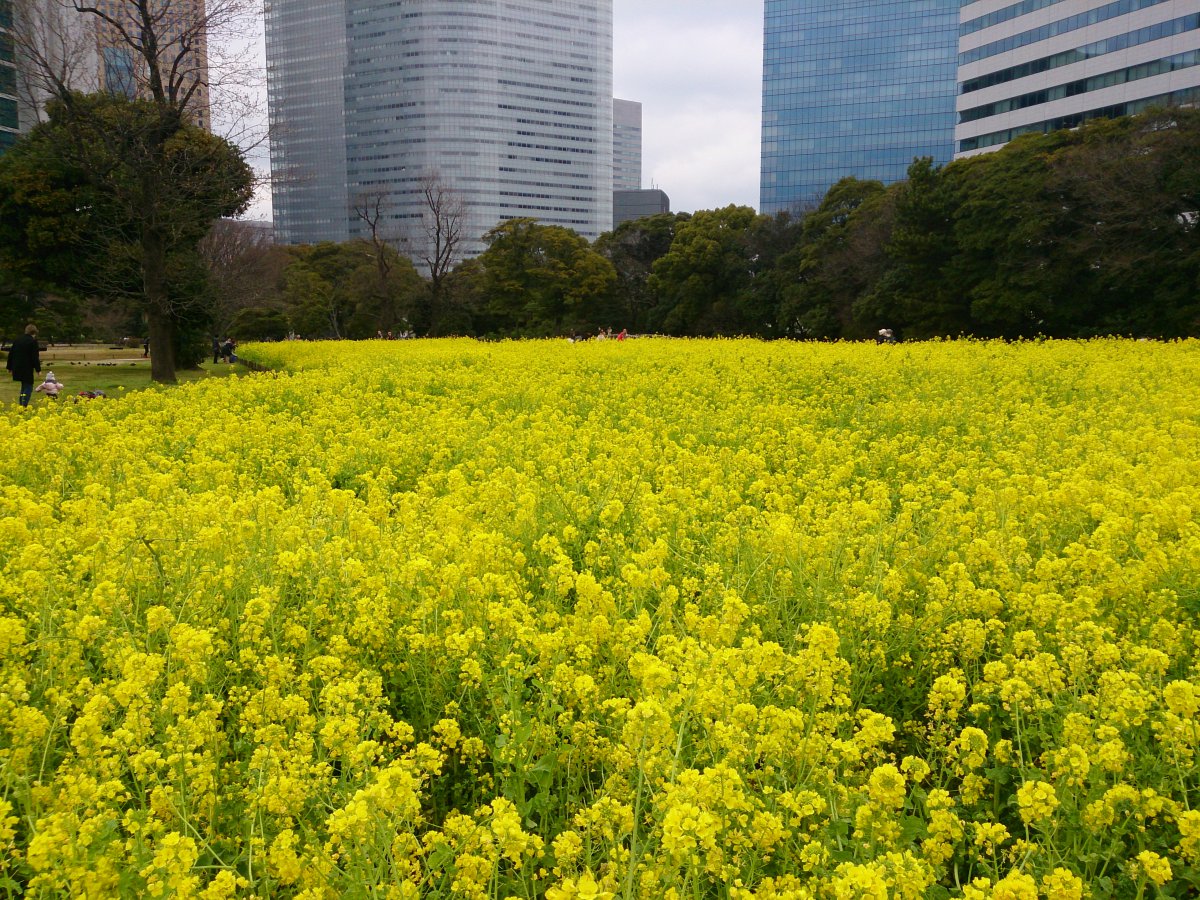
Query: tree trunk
[(162, 346), (387, 303), (387, 309), (159, 320), (435, 307)]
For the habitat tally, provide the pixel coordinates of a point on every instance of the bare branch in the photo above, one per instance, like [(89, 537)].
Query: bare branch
[(55, 53), (443, 217), (188, 55), (243, 268)]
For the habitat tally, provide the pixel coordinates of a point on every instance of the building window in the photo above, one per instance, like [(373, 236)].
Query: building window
[(1186, 97), (118, 71), (8, 113), (1088, 51), (1062, 26), (1084, 86)]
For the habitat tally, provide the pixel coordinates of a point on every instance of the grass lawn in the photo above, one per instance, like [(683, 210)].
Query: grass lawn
[(92, 367)]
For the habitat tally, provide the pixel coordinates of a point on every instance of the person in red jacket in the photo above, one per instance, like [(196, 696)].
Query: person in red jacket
[(23, 361)]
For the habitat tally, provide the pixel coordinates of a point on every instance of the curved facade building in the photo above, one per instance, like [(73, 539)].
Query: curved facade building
[(508, 103)]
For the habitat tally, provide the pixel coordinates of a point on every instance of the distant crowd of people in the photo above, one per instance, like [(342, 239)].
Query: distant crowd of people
[(603, 334)]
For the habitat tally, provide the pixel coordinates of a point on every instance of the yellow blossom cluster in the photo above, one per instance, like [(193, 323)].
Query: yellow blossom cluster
[(651, 619)]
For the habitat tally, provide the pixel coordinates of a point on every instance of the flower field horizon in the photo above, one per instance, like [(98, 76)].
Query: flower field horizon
[(653, 619)]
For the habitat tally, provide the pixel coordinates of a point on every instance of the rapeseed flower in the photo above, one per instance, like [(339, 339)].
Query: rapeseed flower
[(658, 619)]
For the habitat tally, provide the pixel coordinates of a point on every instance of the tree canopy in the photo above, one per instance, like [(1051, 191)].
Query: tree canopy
[(1067, 234), (110, 197), (544, 279), (342, 291)]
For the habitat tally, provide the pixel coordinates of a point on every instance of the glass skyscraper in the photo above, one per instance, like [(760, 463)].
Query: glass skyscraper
[(854, 87), (509, 104), (306, 69)]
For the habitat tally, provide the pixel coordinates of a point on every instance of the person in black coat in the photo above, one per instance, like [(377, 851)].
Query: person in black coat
[(23, 361)]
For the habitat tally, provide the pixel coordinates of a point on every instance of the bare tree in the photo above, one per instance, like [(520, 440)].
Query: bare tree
[(371, 208), (434, 245), (56, 53), (244, 268), (443, 219), (182, 54)]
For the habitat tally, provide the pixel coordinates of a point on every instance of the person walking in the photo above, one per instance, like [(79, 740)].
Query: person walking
[(23, 361)]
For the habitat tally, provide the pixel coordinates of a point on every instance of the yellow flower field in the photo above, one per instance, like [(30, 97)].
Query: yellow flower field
[(645, 619)]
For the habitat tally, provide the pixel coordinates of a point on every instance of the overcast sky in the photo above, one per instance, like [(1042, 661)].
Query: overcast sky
[(696, 68)]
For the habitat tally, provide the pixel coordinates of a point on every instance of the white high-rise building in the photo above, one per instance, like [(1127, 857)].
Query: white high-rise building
[(1041, 65), (507, 103)]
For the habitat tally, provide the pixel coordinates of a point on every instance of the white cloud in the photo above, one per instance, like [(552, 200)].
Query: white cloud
[(696, 67), (705, 167)]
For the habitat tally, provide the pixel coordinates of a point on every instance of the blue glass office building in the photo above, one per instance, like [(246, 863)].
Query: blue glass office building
[(854, 87)]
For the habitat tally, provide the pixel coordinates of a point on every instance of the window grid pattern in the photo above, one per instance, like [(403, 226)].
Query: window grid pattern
[(1004, 15), (627, 146), (1155, 32), (306, 67), (10, 120), (1187, 96), (1053, 29), (509, 103), (120, 77), (854, 87), (1175, 63)]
